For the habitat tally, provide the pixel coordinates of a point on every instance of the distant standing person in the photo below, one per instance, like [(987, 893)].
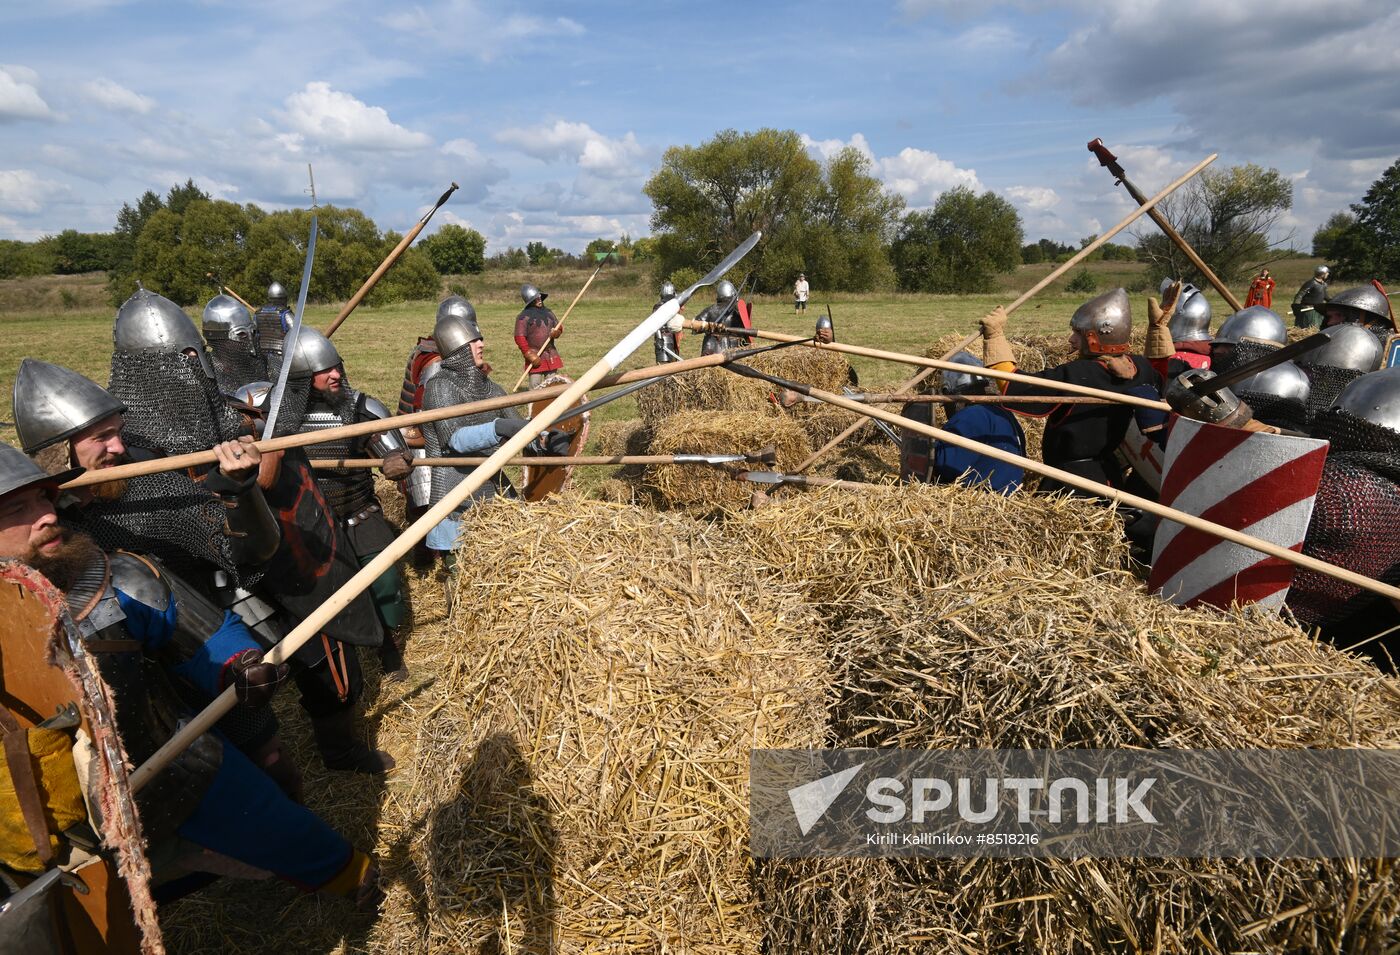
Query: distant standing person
[(800, 291), (1313, 293), (1261, 291), (536, 328)]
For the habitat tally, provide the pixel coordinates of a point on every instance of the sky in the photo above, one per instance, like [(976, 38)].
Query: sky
[(551, 116)]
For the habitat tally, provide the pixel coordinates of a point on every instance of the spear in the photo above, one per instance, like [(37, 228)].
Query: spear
[(453, 499), (938, 364), (558, 328), (894, 398), (716, 460), (1074, 260), (228, 291), (1084, 484), (194, 459), (1110, 162), (389, 260)]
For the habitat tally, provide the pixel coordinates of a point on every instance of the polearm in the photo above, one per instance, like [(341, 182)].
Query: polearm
[(228, 291), (1110, 162), (1084, 484), (714, 460), (938, 364), (554, 333), (895, 398), (389, 260), (176, 462), (387, 558), (1143, 208)]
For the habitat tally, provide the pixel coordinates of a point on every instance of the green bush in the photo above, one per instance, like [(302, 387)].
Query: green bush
[(1083, 283)]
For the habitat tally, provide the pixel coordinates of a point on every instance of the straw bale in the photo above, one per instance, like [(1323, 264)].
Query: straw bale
[(708, 432), (714, 389), (576, 779), (1051, 660), (622, 437)]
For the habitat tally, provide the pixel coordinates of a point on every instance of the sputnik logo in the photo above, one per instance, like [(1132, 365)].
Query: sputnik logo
[(810, 801)]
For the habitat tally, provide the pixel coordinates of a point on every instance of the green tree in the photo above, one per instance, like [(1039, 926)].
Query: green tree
[(1226, 216), (829, 219), (455, 250), (1324, 240), (538, 253), (959, 245), (1031, 254), (1370, 248), (598, 246)]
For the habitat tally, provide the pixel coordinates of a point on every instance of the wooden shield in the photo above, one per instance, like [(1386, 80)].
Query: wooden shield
[(542, 482), (38, 676)]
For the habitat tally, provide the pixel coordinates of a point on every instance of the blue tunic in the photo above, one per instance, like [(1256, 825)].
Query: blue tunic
[(990, 425)]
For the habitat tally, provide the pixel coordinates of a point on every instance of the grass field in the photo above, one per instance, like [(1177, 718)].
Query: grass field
[(376, 341)]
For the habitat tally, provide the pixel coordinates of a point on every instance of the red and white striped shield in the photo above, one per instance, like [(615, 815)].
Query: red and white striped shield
[(1261, 484), (1143, 455)]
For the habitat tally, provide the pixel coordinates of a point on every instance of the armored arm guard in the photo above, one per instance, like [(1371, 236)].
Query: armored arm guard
[(249, 524), (384, 442)]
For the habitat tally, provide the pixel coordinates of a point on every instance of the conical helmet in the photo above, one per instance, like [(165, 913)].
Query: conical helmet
[(314, 353), (148, 322), (456, 325), (1104, 324), (53, 403)]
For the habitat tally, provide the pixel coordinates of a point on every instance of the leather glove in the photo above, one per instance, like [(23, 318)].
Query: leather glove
[(1159, 336), (996, 350), (532, 357), (550, 443), (254, 680), (396, 465), (556, 331), (506, 428)]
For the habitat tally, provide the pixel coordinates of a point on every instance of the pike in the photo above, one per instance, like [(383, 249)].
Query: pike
[(289, 341), (1084, 484), (558, 328), (389, 260), (176, 462), (716, 460), (1110, 162), (1142, 209), (894, 398), (801, 480), (312, 624), (937, 364), (228, 291)]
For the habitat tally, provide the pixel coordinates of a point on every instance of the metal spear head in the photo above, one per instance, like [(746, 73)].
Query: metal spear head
[(716, 273)]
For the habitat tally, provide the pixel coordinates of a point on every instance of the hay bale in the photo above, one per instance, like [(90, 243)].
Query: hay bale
[(707, 432), (1045, 661), (714, 389), (577, 778)]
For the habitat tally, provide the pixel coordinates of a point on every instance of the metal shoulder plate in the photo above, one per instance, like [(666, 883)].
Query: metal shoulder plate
[(140, 579)]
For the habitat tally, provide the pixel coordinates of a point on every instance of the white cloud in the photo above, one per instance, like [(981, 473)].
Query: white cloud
[(19, 95), (25, 192), (114, 96), (918, 175), (1035, 198), (591, 150), (475, 28), (332, 118)]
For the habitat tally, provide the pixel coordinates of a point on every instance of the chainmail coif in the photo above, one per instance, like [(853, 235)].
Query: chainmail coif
[(1355, 524), (172, 406), (460, 381), (236, 364), (1327, 382)]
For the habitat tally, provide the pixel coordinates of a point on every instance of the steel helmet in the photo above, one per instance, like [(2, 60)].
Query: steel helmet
[(456, 325), (725, 292), (960, 382), (529, 293), (148, 322), (1104, 323), (53, 403), (1253, 324), (277, 294), (19, 471), (1284, 380), (1366, 304), (1349, 346), (314, 353), (1191, 320), (225, 317), (668, 291), (1374, 397)]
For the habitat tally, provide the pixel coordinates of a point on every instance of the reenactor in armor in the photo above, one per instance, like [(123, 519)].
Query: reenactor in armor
[(1364, 305), (536, 329), (218, 528), (423, 362), (990, 424), (825, 331), (163, 651), (233, 344), (1246, 336), (667, 342), (1078, 438), (1352, 350), (330, 403), (463, 377), (274, 319), (163, 377), (1186, 314), (729, 311), (1307, 311), (1355, 521)]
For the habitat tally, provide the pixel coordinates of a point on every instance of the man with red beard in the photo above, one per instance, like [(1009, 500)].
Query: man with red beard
[(211, 811)]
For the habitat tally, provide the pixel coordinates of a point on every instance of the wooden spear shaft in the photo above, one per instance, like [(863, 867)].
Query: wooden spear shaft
[(555, 333), (176, 462), (312, 625), (914, 382), (1119, 497), (529, 462), (939, 364), (389, 260), (894, 398)]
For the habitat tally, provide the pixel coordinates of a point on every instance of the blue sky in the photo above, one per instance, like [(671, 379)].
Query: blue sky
[(551, 116)]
